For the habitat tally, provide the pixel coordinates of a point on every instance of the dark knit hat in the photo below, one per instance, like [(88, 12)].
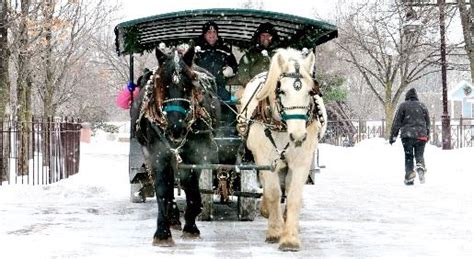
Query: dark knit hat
[(268, 28), (208, 25), (411, 95)]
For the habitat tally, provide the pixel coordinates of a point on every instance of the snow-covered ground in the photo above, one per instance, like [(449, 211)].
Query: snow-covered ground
[(359, 207)]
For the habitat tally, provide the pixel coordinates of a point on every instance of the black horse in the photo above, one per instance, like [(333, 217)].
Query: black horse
[(173, 121)]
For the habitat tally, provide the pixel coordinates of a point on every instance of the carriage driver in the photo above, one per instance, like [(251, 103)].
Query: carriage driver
[(215, 57), (257, 58)]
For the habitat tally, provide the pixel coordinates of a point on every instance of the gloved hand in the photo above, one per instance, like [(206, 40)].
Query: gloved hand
[(392, 140), (131, 86), (227, 71)]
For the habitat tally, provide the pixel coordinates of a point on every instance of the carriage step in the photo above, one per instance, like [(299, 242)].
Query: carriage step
[(225, 166), (235, 193)]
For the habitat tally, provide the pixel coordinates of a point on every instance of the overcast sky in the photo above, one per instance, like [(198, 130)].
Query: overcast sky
[(133, 9)]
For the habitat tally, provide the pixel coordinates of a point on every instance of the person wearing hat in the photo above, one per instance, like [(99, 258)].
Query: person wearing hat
[(257, 58), (412, 119), (214, 56)]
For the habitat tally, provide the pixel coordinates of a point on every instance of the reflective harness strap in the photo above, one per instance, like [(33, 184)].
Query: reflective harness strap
[(175, 108), (286, 117)]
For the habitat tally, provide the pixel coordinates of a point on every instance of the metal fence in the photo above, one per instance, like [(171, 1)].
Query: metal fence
[(349, 132), (38, 152)]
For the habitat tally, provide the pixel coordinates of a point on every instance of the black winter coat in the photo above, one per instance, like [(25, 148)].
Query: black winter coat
[(412, 118), (214, 59)]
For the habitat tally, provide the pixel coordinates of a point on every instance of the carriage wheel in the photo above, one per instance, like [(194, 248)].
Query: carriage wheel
[(205, 183), (247, 206)]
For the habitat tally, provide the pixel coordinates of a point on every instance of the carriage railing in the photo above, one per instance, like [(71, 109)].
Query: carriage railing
[(340, 134), (38, 152)]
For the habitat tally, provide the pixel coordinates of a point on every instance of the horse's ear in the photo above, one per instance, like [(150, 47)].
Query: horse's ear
[(309, 61), (189, 56), (160, 56), (273, 76)]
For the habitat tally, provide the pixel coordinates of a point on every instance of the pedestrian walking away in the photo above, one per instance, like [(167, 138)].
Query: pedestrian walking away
[(412, 120)]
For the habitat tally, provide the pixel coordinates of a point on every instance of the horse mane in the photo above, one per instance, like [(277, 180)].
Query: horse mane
[(153, 99)]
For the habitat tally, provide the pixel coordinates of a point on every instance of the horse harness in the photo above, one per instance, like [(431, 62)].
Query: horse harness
[(265, 115), (155, 106)]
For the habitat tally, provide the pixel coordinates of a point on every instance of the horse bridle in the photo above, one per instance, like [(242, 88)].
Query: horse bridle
[(177, 108), (297, 85)]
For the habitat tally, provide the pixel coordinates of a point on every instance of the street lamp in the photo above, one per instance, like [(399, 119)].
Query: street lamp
[(445, 119)]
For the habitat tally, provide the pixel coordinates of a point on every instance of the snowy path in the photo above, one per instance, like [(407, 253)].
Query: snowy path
[(358, 208)]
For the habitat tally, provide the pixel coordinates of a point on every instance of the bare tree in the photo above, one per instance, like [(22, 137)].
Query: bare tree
[(4, 58), (69, 29), (106, 74), (390, 48), (468, 31), (4, 83)]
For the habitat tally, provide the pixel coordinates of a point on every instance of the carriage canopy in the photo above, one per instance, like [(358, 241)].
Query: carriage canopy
[(236, 27)]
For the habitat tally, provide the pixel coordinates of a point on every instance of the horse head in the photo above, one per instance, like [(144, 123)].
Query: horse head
[(175, 86), (291, 88)]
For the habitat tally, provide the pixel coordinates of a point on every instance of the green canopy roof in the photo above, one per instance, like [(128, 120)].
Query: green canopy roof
[(236, 27)]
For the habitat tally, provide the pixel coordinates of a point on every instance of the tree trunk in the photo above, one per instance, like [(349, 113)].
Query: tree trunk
[(4, 58), (48, 110), (24, 85), (388, 109), (467, 29), (4, 87)]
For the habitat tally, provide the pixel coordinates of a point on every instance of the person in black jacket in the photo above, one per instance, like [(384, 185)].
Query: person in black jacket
[(413, 121), (257, 58), (214, 56)]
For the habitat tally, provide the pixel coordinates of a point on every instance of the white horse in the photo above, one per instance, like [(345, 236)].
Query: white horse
[(285, 117)]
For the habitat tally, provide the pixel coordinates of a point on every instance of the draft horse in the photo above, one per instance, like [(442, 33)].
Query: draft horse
[(284, 117), (172, 120)]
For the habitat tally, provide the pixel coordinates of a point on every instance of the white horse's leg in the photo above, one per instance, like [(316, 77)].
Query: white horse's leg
[(299, 162), (264, 154), (290, 239), (272, 197)]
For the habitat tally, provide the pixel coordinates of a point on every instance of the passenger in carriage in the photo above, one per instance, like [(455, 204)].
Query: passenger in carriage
[(217, 58), (257, 58)]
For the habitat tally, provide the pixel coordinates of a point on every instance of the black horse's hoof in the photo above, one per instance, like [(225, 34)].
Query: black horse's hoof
[(176, 225), (191, 232), (169, 242), (187, 235)]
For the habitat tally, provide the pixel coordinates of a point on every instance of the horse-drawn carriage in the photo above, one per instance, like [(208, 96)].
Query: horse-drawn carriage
[(222, 169)]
